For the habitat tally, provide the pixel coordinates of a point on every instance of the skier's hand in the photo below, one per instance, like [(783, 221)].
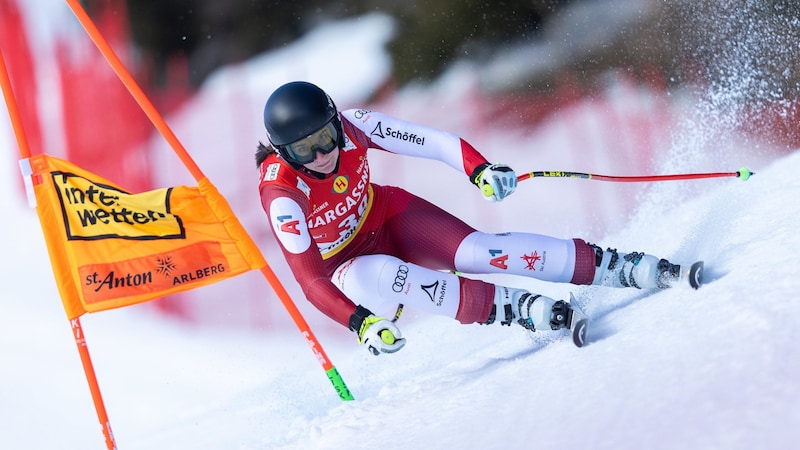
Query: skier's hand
[(379, 335), (496, 181)]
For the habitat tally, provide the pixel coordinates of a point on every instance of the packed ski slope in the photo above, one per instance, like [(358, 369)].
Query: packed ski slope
[(707, 369), (714, 368)]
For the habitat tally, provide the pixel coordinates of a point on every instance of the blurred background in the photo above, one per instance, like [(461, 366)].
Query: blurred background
[(605, 86), (582, 38)]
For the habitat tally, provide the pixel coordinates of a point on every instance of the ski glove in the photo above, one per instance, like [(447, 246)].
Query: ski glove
[(379, 335), (496, 181)]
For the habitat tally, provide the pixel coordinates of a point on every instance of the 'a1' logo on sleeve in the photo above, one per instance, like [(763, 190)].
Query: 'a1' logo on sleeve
[(289, 225)]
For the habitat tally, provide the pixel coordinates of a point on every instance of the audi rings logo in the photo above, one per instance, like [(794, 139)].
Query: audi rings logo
[(400, 278)]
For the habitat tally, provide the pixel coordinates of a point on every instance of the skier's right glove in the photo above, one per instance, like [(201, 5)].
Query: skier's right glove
[(496, 181), (379, 335)]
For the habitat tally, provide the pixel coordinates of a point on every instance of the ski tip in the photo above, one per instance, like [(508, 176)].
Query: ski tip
[(696, 274), (579, 332)]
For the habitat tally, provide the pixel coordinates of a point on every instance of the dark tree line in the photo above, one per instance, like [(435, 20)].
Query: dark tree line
[(211, 33)]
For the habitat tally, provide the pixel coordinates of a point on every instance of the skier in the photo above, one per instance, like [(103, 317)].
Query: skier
[(362, 251)]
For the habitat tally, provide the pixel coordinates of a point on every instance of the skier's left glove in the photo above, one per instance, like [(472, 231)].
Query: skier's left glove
[(496, 181), (379, 335)]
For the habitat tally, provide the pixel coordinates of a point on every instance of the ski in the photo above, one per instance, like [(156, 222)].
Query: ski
[(578, 322)]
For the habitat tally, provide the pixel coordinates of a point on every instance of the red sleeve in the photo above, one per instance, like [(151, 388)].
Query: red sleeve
[(306, 265), (471, 157)]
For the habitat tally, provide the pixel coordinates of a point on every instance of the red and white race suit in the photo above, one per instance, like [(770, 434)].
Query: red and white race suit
[(325, 224)]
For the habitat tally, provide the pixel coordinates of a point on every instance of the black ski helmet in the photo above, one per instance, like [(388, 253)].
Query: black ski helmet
[(296, 110)]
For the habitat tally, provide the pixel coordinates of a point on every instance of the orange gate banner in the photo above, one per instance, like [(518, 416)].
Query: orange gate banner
[(110, 248)]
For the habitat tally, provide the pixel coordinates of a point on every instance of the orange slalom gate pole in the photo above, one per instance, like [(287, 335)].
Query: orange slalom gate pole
[(77, 330), (154, 116), (13, 111), (94, 387)]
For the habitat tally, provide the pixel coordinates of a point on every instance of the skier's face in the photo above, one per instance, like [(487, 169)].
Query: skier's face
[(324, 162)]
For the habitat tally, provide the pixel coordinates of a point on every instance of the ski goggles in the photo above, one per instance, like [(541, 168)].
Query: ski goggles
[(304, 151)]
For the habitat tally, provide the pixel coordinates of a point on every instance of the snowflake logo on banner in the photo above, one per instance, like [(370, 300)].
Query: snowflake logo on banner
[(165, 266), (531, 260)]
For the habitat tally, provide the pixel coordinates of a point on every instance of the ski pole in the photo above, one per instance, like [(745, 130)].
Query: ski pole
[(744, 174)]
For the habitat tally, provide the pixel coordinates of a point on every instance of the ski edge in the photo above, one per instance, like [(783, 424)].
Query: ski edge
[(578, 323), (696, 274)]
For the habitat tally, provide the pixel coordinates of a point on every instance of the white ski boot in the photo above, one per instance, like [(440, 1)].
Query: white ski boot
[(642, 271), (634, 270), (537, 312)]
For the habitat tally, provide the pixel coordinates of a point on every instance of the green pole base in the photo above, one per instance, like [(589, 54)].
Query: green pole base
[(338, 384)]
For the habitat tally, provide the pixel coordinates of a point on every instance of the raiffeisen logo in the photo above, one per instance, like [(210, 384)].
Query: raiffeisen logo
[(96, 211)]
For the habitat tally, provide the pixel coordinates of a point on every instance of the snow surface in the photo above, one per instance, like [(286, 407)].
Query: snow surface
[(708, 369), (715, 368)]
